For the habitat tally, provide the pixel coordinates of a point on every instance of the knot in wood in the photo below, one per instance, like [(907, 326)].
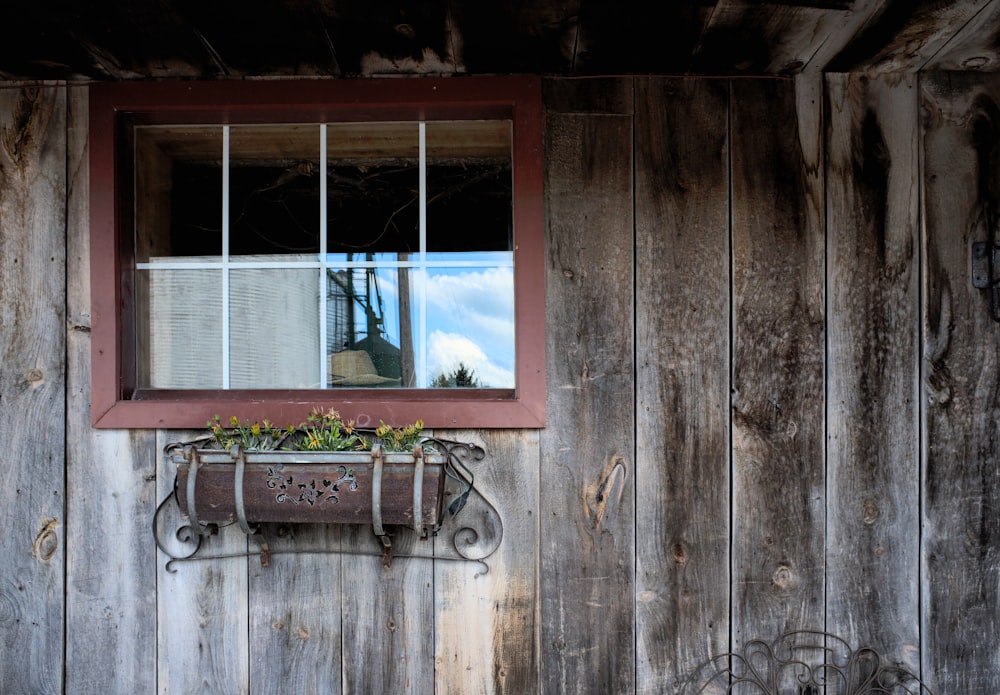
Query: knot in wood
[(47, 541), (783, 578), (870, 512)]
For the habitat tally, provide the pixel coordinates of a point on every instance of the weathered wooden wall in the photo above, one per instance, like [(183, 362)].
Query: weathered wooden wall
[(773, 403)]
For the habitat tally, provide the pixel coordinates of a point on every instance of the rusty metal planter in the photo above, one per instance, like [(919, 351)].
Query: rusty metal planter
[(370, 487)]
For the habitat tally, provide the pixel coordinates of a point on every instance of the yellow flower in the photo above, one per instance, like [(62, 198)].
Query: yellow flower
[(255, 429), (234, 421)]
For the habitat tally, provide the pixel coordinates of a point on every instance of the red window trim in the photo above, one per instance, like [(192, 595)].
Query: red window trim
[(116, 403)]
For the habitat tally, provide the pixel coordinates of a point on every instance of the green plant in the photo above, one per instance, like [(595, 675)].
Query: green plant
[(326, 431), (323, 430), (251, 436), (399, 438)]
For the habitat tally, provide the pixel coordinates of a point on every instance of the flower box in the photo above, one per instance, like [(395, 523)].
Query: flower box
[(346, 487)]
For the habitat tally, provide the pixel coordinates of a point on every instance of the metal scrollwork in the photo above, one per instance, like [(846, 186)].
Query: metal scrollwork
[(474, 541), (803, 662), (309, 492)]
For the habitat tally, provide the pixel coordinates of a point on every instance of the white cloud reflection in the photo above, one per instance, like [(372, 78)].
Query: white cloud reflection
[(470, 321)]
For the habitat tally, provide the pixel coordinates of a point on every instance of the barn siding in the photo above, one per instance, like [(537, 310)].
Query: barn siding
[(777, 363), (587, 475), (960, 387), (32, 388), (773, 403), (873, 433), (682, 466)]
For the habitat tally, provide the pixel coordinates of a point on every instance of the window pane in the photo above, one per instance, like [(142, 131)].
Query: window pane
[(470, 327), (274, 201), (469, 186), (374, 310), (367, 346), (178, 327), (178, 191), (274, 328), (373, 184)]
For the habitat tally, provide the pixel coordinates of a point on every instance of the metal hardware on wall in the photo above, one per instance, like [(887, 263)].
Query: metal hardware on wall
[(475, 541), (806, 662), (986, 273)]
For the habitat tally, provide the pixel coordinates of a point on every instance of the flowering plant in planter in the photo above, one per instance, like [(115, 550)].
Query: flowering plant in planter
[(324, 470), (323, 430)]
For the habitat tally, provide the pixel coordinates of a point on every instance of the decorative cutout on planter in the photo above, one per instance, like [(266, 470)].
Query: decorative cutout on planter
[(215, 488), (311, 493), (803, 662)]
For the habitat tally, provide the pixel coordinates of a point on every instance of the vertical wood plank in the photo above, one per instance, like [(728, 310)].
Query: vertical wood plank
[(487, 623), (873, 451), (110, 489), (295, 612), (587, 451), (682, 385), (960, 386), (202, 611), (778, 347), (388, 623), (32, 387)]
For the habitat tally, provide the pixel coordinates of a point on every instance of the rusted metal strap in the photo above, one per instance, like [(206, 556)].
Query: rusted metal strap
[(241, 514), (192, 479), (418, 488), (377, 494), (377, 505)]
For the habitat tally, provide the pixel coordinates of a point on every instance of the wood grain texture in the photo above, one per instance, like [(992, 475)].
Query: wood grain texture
[(904, 36), (32, 388), (847, 26), (960, 388), (388, 614), (202, 623), (973, 47), (111, 488), (486, 626), (778, 344), (873, 433), (747, 37), (295, 611), (682, 377), (587, 530)]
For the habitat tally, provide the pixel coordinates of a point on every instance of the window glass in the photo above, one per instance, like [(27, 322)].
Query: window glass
[(324, 256)]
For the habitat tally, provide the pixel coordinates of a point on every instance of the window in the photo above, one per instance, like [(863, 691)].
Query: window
[(263, 248)]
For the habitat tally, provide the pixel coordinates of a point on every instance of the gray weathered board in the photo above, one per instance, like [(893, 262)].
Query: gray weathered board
[(773, 401)]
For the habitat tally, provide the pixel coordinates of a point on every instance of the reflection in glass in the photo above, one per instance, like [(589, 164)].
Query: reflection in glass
[(264, 260), (469, 327)]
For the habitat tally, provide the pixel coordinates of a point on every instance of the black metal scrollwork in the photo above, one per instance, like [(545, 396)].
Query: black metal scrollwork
[(803, 662), (475, 541)]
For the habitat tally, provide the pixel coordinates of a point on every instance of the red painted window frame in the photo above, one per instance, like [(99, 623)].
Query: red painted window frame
[(114, 107)]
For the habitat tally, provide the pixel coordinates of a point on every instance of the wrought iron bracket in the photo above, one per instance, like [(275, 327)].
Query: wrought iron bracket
[(806, 662), (986, 273), (474, 542)]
